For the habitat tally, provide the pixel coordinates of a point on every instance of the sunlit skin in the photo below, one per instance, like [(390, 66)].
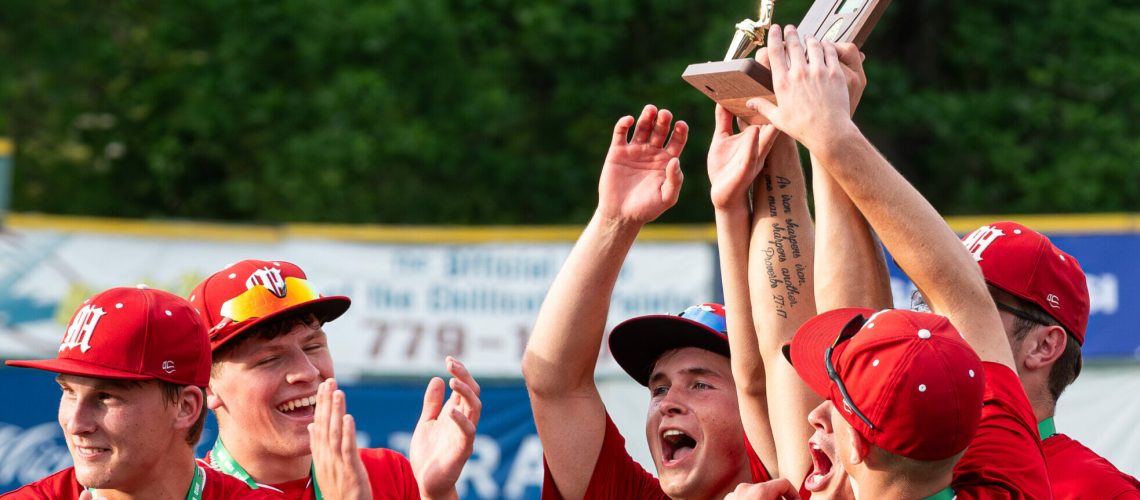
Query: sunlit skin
[(692, 391), (247, 389), (122, 435), (833, 482)]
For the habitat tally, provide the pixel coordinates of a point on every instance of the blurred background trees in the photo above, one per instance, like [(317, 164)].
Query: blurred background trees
[(500, 111)]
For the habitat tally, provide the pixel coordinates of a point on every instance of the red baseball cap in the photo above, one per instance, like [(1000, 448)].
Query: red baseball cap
[(913, 378), (245, 294), (133, 334), (636, 343), (1024, 263)]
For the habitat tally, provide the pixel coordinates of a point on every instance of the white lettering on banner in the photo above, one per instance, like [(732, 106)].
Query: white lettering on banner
[(527, 470), (80, 330), (1104, 293), (30, 454), (479, 472)]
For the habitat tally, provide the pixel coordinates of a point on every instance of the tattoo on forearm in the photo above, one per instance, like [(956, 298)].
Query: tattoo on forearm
[(786, 281)]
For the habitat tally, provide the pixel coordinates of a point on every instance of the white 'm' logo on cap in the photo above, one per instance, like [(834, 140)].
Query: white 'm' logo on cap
[(268, 277), (80, 330), (979, 240)]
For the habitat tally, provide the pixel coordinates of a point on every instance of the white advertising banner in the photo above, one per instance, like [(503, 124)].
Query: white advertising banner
[(412, 305)]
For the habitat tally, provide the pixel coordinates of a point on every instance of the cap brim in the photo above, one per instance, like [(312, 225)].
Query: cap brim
[(325, 308), (76, 367), (638, 342), (809, 345)]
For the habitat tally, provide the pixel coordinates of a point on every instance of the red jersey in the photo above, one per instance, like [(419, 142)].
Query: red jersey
[(1004, 459), (1079, 473), (389, 473), (618, 476), (64, 486)]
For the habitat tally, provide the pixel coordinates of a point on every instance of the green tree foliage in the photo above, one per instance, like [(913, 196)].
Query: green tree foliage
[(500, 111)]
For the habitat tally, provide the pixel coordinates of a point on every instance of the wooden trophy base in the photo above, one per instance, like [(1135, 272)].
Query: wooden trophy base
[(732, 83)]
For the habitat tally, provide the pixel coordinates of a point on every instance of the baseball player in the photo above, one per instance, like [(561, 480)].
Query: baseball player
[(814, 108), (133, 366), (774, 419), (1043, 298), (693, 426), (270, 354), (781, 274)]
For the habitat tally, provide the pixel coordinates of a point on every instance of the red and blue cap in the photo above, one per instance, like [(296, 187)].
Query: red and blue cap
[(636, 343)]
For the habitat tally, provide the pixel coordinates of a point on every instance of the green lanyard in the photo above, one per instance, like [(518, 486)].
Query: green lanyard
[(946, 494), (196, 485), (222, 458), (1046, 428)]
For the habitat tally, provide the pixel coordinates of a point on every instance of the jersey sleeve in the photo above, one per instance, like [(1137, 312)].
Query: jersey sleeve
[(616, 476), (1005, 459)]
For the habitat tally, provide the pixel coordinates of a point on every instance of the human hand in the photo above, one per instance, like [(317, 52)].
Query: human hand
[(332, 439), (775, 489), (641, 177), (735, 159), (441, 446), (852, 60), (811, 89)]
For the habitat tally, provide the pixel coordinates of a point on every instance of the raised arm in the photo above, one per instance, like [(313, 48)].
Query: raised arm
[(814, 108), (781, 278), (640, 179), (850, 269), (733, 162)]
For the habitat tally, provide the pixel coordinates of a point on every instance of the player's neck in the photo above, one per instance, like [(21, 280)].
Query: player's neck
[(168, 479), (262, 466), (1036, 387), (728, 485), (886, 485)]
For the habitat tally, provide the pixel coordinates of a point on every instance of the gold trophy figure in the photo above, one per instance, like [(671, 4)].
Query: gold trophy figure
[(739, 78), (751, 35)]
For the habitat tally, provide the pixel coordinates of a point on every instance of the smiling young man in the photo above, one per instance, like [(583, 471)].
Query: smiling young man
[(693, 426), (133, 365), (270, 356)]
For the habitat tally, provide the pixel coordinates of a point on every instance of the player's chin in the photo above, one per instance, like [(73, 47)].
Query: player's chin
[(682, 484), (94, 476)]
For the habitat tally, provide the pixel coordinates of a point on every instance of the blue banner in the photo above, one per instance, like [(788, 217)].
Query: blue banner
[(506, 463)]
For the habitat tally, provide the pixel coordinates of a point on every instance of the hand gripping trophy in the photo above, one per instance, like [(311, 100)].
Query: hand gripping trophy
[(738, 78)]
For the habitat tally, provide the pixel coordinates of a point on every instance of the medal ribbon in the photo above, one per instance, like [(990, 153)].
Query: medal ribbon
[(1046, 428), (946, 494), (220, 456)]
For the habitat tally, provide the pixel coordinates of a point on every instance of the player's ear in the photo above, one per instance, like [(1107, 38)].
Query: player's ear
[(213, 399), (1047, 344), (860, 447), (190, 401)]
